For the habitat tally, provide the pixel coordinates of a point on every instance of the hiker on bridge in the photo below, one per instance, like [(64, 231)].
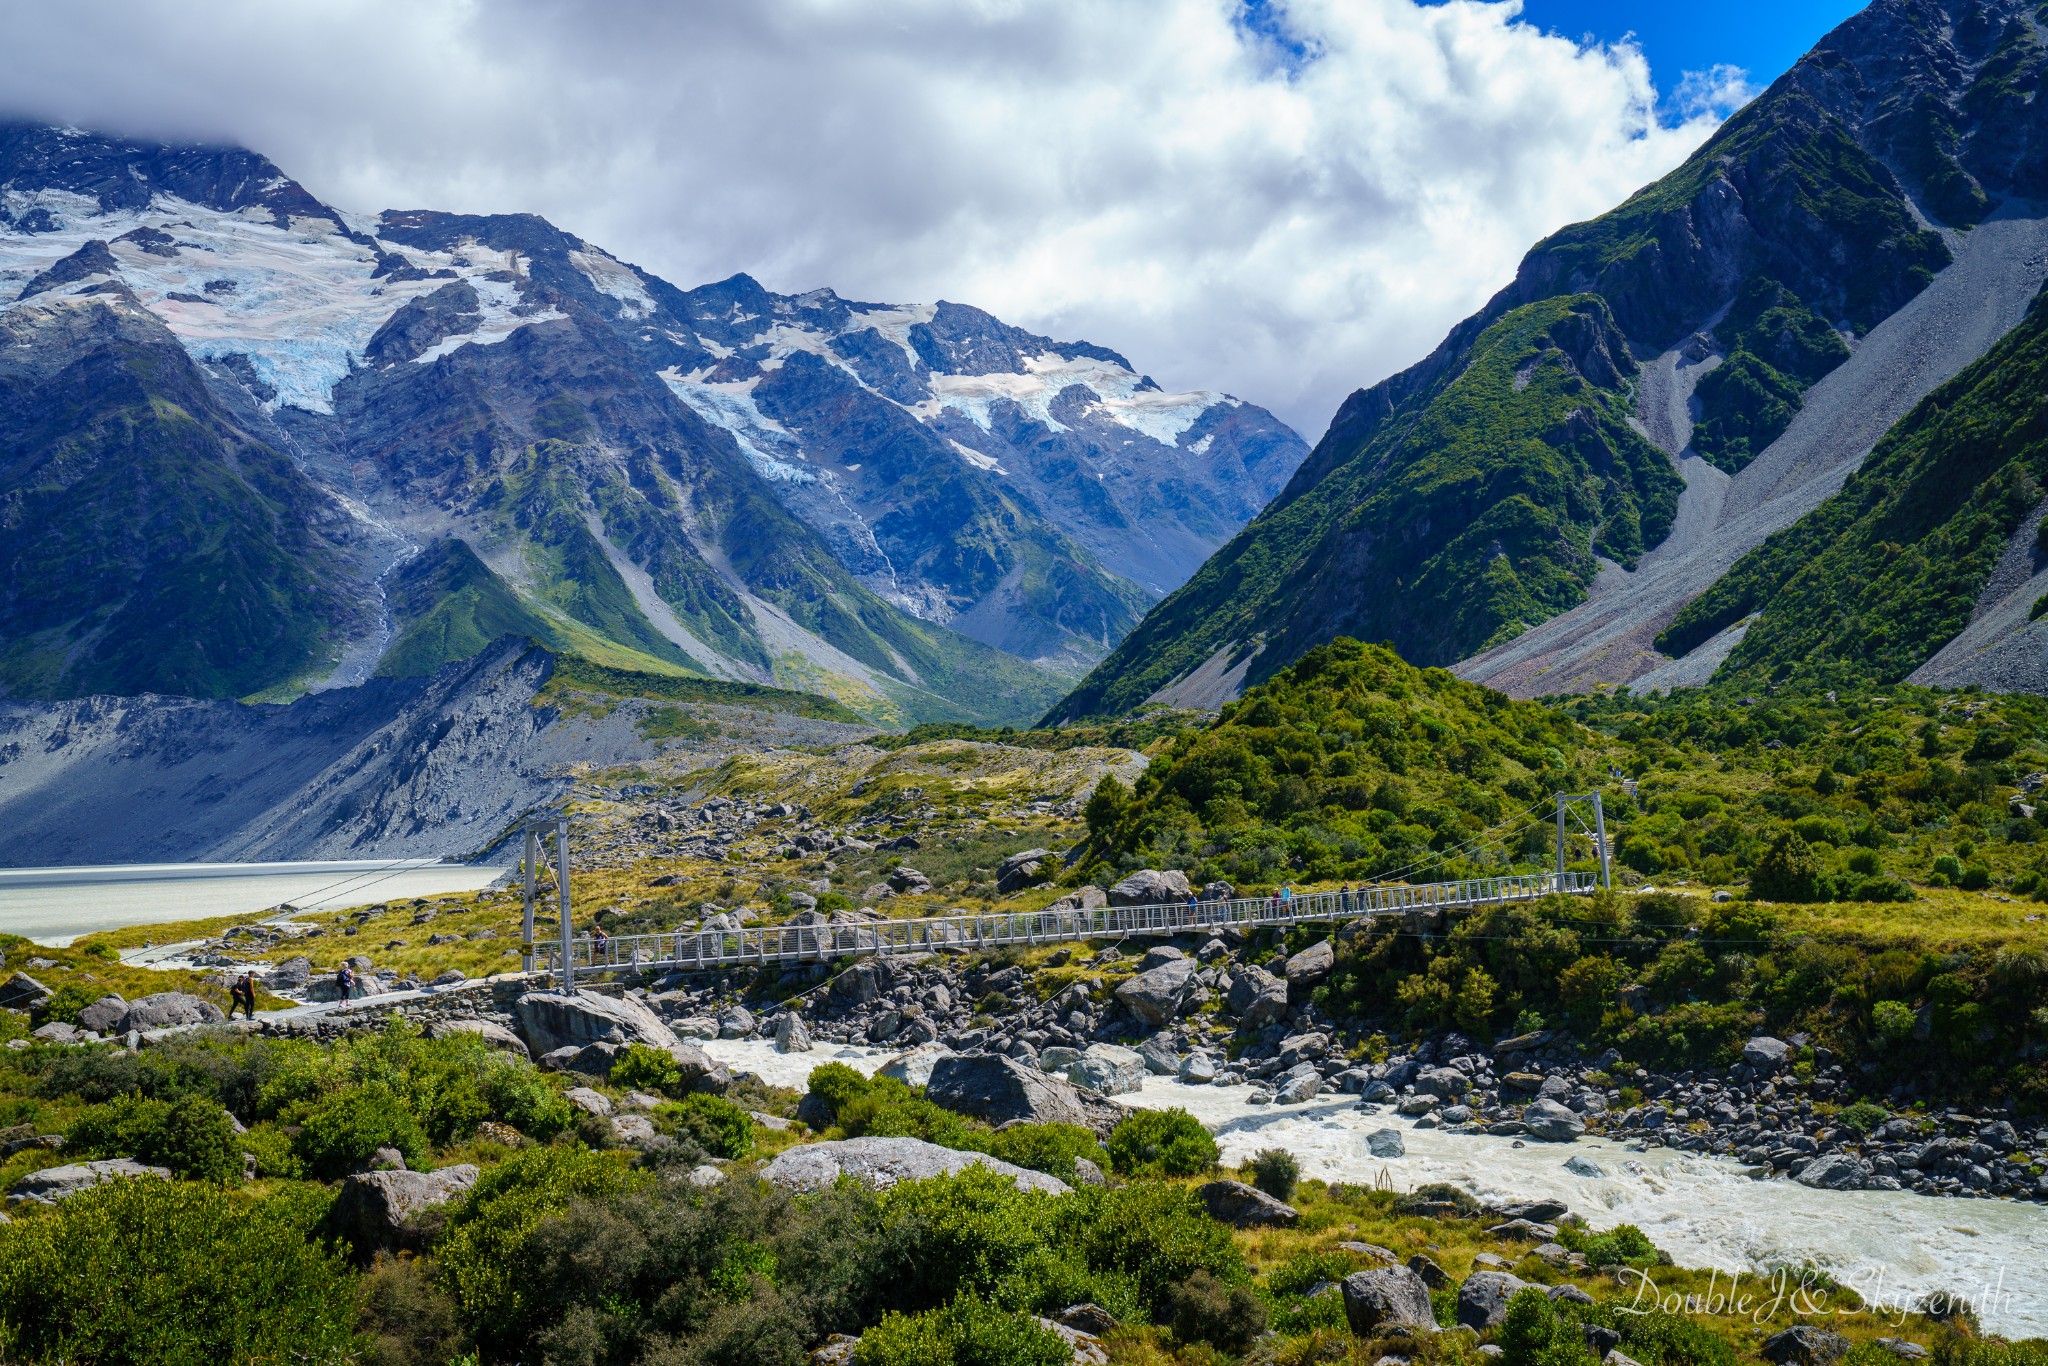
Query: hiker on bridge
[(599, 942)]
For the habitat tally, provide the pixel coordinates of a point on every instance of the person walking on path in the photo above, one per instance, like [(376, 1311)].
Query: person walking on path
[(242, 994), (346, 981)]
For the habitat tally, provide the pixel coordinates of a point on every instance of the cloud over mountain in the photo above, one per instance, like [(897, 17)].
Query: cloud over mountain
[(1281, 201)]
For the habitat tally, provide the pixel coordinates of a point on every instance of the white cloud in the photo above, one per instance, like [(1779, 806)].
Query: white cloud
[(1146, 174)]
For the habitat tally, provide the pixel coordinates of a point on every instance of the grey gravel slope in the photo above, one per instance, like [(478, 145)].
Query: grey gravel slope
[(1999, 267)]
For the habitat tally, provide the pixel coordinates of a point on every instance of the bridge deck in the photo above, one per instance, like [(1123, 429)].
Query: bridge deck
[(820, 942)]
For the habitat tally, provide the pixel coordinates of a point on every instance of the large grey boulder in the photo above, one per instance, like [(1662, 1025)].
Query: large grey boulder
[(1157, 994), (999, 1089), (490, 1031), (1386, 1143), (1804, 1345), (52, 1184), (913, 1067), (1388, 1298), (165, 1010), (1241, 1206), (1551, 1122), (552, 1020), (104, 1015), (1257, 997), (1447, 1082), (882, 1162), (700, 1071), (790, 1034), (1766, 1052), (1109, 1069), (374, 1211), (736, 1022), (292, 975), (1020, 870), (1301, 1085), (1162, 1059), (1151, 887), (22, 992), (1834, 1172), (1312, 964), (1483, 1298)]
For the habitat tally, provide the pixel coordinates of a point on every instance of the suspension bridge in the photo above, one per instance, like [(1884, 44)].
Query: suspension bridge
[(814, 938)]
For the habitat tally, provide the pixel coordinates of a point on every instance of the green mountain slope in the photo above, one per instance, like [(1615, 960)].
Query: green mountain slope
[(1445, 512), (1871, 583), (147, 543)]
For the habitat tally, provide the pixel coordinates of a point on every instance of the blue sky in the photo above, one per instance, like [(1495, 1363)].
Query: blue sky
[(1764, 37)]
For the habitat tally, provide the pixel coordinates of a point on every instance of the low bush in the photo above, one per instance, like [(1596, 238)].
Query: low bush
[(191, 1137), (342, 1132), (1048, 1148), (1862, 1116), (66, 1001), (1161, 1143), (1626, 1245), (713, 1123), (1275, 1172), (966, 1332), (174, 1274), (643, 1068), (1206, 1309)]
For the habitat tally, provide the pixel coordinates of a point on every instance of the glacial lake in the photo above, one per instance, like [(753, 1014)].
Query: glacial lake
[(56, 905), (1704, 1211)]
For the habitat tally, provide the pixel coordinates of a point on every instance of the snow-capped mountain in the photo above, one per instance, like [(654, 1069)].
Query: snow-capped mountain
[(425, 429)]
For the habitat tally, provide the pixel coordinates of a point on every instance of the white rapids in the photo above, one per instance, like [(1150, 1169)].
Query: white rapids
[(1892, 1245)]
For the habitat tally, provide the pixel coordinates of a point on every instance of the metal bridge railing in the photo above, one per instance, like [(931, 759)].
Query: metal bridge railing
[(722, 948)]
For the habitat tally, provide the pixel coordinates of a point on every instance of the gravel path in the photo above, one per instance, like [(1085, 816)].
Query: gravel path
[(1608, 638)]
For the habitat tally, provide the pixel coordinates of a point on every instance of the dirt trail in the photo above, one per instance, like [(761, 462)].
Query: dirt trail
[(1609, 638)]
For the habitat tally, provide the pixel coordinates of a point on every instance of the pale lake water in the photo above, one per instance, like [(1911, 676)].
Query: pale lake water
[(56, 905), (1704, 1211)]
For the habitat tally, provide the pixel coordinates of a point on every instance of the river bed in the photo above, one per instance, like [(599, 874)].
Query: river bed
[(1704, 1211), (56, 905)]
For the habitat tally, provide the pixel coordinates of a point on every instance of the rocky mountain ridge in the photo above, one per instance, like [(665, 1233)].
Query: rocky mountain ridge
[(1784, 263), (897, 506)]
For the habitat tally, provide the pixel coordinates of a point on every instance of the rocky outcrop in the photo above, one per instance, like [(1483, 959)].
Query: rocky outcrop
[(913, 1067), (375, 1211), (1109, 1069), (1483, 1298), (166, 1010), (1000, 1089), (883, 1162), (52, 1184), (490, 1031), (1157, 994), (1241, 1206), (552, 1020), (1151, 887), (1257, 997), (1386, 1299), (1804, 1345), (1551, 1122)]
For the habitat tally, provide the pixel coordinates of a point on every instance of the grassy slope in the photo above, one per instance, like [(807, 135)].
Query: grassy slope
[(149, 545), (1831, 230), (1872, 582), (1472, 512)]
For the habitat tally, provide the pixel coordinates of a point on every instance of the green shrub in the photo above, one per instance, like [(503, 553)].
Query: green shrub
[(1949, 866), (1161, 1143), (1275, 1172), (520, 1096), (1209, 1310), (1048, 1148), (272, 1149), (889, 1109), (342, 1132), (966, 1332), (1626, 1245), (835, 1084), (1976, 877), (1862, 1116), (1535, 1332), (1438, 1193), (713, 1123), (1893, 1020), (1787, 871), (192, 1136), (174, 1274), (642, 1068), (67, 1000)]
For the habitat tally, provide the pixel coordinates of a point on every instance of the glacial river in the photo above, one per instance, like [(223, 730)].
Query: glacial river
[(1704, 1211), (56, 905)]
